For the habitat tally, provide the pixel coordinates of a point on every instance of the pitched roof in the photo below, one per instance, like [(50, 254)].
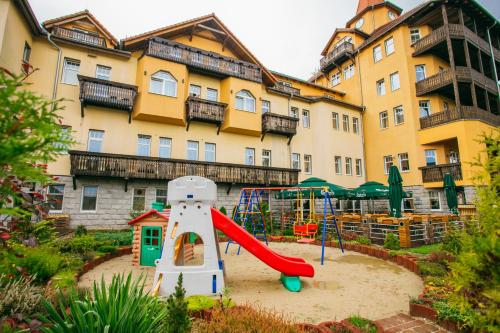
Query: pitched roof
[(363, 4), (78, 16), (308, 83), (373, 6), (165, 215), (332, 38), (25, 9)]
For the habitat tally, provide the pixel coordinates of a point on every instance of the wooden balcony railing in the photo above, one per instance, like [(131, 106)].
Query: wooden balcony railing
[(137, 167), (198, 109), (289, 90), (203, 60), (78, 36), (336, 56), (435, 173), (279, 124), (463, 113)]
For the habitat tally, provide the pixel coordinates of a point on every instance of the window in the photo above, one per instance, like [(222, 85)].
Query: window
[(295, 161), (424, 108), (308, 164), (414, 35), (26, 53), (359, 23), (389, 46), (306, 119), (294, 112), (194, 90), (55, 197), (249, 156), (384, 119), (266, 158), (192, 150), (348, 166), (345, 122), (139, 199), (404, 162), (338, 165), (161, 196), (391, 15), (430, 157), (335, 79), (348, 71), (163, 83), (399, 115), (245, 101), (335, 119), (266, 106), (143, 145), (377, 53), (165, 150), (395, 81), (353, 206), (420, 72), (209, 152), (387, 163), (103, 72), (212, 94), (89, 199), (359, 167), (94, 143), (71, 69), (434, 200), (408, 205), (355, 125), (381, 87)]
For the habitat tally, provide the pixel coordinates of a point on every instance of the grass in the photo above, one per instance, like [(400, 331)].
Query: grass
[(365, 325), (426, 249)]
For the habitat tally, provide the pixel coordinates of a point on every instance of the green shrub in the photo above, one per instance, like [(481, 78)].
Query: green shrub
[(118, 238), (199, 302), (177, 310), (363, 240), (365, 325), (446, 311), (64, 279), (452, 241), (391, 242), (44, 232), (80, 231), (19, 297), (41, 262), (223, 210), (79, 245), (431, 269), (107, 249)]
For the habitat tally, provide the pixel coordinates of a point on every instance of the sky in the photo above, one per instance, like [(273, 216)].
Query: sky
[(285, 35)]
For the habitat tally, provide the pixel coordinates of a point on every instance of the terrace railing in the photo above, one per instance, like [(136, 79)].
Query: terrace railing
[(338, 54), (435, 173), (79, 36), (462, 113), (279, 124)]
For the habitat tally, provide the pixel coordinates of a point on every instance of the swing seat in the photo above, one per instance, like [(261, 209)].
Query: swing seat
[(308, 230)]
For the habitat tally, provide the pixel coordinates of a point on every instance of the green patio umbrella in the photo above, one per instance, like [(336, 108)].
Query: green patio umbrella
[(450, 191), (395, 191), (370, 190), (336, 191)]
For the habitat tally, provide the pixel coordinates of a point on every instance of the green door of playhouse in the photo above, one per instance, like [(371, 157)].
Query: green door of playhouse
[(150, 245)]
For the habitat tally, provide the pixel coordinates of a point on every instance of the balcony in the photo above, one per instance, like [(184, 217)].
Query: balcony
[(463, 113), (107, 94), (280, 86), (204, 61), (435, 173), (203, 110), (335, 57), (278, 124), (79, 37), (137, 167)]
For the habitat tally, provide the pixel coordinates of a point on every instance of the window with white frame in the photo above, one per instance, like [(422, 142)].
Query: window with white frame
[(103, 72), (424, 108), (389, 46), (348, 166), (139, 199), (399, 115), (266, 106), (419, 72), (192, 150), (210, 152), (95, 140), (161, 196), (359, 167), (335, 120), (335, 79), (348, 71), (71, 69), (55, 197), (380, 87), (266, 158), (377, 53), (306, 119), (294, 112), (165, 148), (395, 84), (338, 165), (163, 83), (249, 156), (89, 199), (404, 162), (308, 164), (345, 122), (355, 125), (295, 161), (212, 94), (430, 157), (435, 200), (195, 90), (387, 163), (383, 119), (414, 35), (245, 101), (143, 145)]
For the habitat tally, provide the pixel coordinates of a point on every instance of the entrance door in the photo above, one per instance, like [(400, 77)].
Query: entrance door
[(150, 245)]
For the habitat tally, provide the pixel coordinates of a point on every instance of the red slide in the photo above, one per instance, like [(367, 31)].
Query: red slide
[(287, 265)]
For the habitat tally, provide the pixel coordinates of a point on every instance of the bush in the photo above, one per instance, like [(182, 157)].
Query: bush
[(64, 279), (363, 240), (431, 268), (365, 325), (223, 210), (446, 311), (199, 302), (118, 238), (177, 307), (391, 242), (78, 245), (41, 262), (107, 249), (19, 297), (44, 232), (452, 241), (80, 231), (441, 257)]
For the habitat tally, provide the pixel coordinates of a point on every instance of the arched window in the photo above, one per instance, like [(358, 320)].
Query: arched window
[(163, 83), (245, 101)]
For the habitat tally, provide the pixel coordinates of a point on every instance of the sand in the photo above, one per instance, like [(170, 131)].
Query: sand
[(346, 284)]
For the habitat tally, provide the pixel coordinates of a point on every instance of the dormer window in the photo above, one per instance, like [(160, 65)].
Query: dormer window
[(391, 15), (359, 23)]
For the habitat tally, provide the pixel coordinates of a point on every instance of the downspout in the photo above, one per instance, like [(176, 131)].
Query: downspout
[(362, 116), (58, 65), (493, 58)]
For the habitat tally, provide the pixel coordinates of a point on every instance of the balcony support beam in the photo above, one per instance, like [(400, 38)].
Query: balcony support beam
[(467, 58), (451, 56)]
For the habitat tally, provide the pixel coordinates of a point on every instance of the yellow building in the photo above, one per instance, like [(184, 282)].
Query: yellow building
[(185, 99), (427, 80)]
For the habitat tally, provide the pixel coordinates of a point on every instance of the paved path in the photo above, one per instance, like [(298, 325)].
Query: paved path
[(407, 324)]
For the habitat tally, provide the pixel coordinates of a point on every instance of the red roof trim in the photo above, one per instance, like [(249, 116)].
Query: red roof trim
[(151, 212)]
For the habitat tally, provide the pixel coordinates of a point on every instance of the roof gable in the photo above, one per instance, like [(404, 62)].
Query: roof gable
[(339, 30), (163, 215)]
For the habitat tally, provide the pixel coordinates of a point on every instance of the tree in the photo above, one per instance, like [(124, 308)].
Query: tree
[(178, 320)]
